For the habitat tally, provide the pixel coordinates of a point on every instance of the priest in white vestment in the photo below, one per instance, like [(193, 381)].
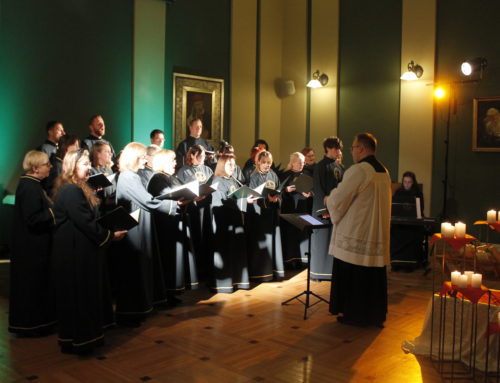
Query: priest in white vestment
[(360, 209)]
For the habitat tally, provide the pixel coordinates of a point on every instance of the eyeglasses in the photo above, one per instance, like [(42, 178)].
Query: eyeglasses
[(46, 164)]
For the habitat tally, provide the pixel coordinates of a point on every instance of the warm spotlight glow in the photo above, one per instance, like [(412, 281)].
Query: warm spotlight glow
[(439, 93), (466, 68)]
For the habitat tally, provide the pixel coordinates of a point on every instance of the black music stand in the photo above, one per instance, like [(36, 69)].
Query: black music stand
[(306, 223)]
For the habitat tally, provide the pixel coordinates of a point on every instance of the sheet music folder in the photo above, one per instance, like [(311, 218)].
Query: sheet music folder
[(305, 222), (99, 181), (303, 183), (187, 191), (118, 219)]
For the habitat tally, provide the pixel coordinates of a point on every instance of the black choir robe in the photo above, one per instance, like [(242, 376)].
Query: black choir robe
[(176, 250), (327, 175), (31, 304), (48, 183), (265, 256), (230, 265), (199, 217), (137, 268), (295, 242), (83, 298)]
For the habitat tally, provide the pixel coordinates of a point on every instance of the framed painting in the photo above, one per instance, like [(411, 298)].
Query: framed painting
[(197, 97), (486, 125)]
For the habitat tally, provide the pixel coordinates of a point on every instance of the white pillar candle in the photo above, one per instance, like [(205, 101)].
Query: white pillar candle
[(491, 216), (454, 277), (477, 280), (449, 230), (469, 275), (462, 281), (443, 228), (460, 230)]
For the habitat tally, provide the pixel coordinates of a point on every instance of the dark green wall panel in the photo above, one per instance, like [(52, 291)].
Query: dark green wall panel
[(198, 42), (466, 30), (369, 71)]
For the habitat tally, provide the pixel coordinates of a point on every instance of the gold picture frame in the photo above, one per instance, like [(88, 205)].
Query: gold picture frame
[(486, 125), (198, 97)]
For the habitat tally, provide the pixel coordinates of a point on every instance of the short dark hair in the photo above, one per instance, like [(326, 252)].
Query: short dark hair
[(64, 142), (260, 141), (51, 124), (332, 142), (368, 140), (92, 118), (155, 132)]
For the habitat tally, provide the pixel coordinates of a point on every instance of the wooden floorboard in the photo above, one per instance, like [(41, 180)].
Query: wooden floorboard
[(247, 336)]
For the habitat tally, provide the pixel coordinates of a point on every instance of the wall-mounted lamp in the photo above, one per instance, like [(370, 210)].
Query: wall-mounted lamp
[(414, 72), (318, 80), (475, 65)]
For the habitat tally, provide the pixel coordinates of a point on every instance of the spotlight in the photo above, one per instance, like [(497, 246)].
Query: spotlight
[(318, 80), (414, 72), (439, 92), (475, 65)]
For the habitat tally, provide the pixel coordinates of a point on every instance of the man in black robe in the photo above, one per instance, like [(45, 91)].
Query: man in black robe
[(97, 130), (55, 130), (195, 129)]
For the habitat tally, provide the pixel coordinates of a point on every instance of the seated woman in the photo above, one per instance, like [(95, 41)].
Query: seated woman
[(407, 240), (31, 307), (84, 306)]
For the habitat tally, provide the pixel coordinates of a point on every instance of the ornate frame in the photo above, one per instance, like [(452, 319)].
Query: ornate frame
[(486, 125)]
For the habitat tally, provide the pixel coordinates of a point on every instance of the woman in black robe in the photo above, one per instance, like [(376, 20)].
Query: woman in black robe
[(198, 213), (327, 175), (137, 268), (176, 249), (66, 143), (83, 299), (309, 161), (295, 242), (101, 158), (230, 265), (407, 250), (31, 305), (265, 256)]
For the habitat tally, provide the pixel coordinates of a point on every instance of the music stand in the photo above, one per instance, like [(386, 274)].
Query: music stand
[(306, 223)]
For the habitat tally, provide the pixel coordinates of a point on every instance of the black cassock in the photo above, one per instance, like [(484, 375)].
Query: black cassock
[(327, 175), (230, 265), (295, 242), (199, 217), (176, 249), (31, 304), (265, 256), (83, 298), (137, 268)]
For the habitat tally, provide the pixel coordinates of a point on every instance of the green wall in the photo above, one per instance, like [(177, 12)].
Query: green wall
[(198, 39), (466, 30), (66, 60), (369, 71)]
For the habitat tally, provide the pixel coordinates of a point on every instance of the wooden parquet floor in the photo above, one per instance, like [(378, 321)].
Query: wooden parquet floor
[(247, 336)]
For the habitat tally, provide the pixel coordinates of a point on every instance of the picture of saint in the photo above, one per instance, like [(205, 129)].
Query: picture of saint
[(488, 123)]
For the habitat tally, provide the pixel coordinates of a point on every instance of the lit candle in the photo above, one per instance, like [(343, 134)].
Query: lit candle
[(469, 275), (454, 277), (443, 228), (477, 280), (449, 230), (462, 281), (460, 230), (491, 216)]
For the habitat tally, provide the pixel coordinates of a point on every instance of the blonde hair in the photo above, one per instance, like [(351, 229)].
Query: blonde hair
[(97, 148), (293, 158), (34, 159), (263, 154), (68, 175), (160, 158), (220, 169), (130, 158)]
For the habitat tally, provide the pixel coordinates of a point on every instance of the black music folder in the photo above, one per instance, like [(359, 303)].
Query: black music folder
[(100, 181), (119, 219), (244, 192), (187, 191), (206, 189), (303, 183)]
